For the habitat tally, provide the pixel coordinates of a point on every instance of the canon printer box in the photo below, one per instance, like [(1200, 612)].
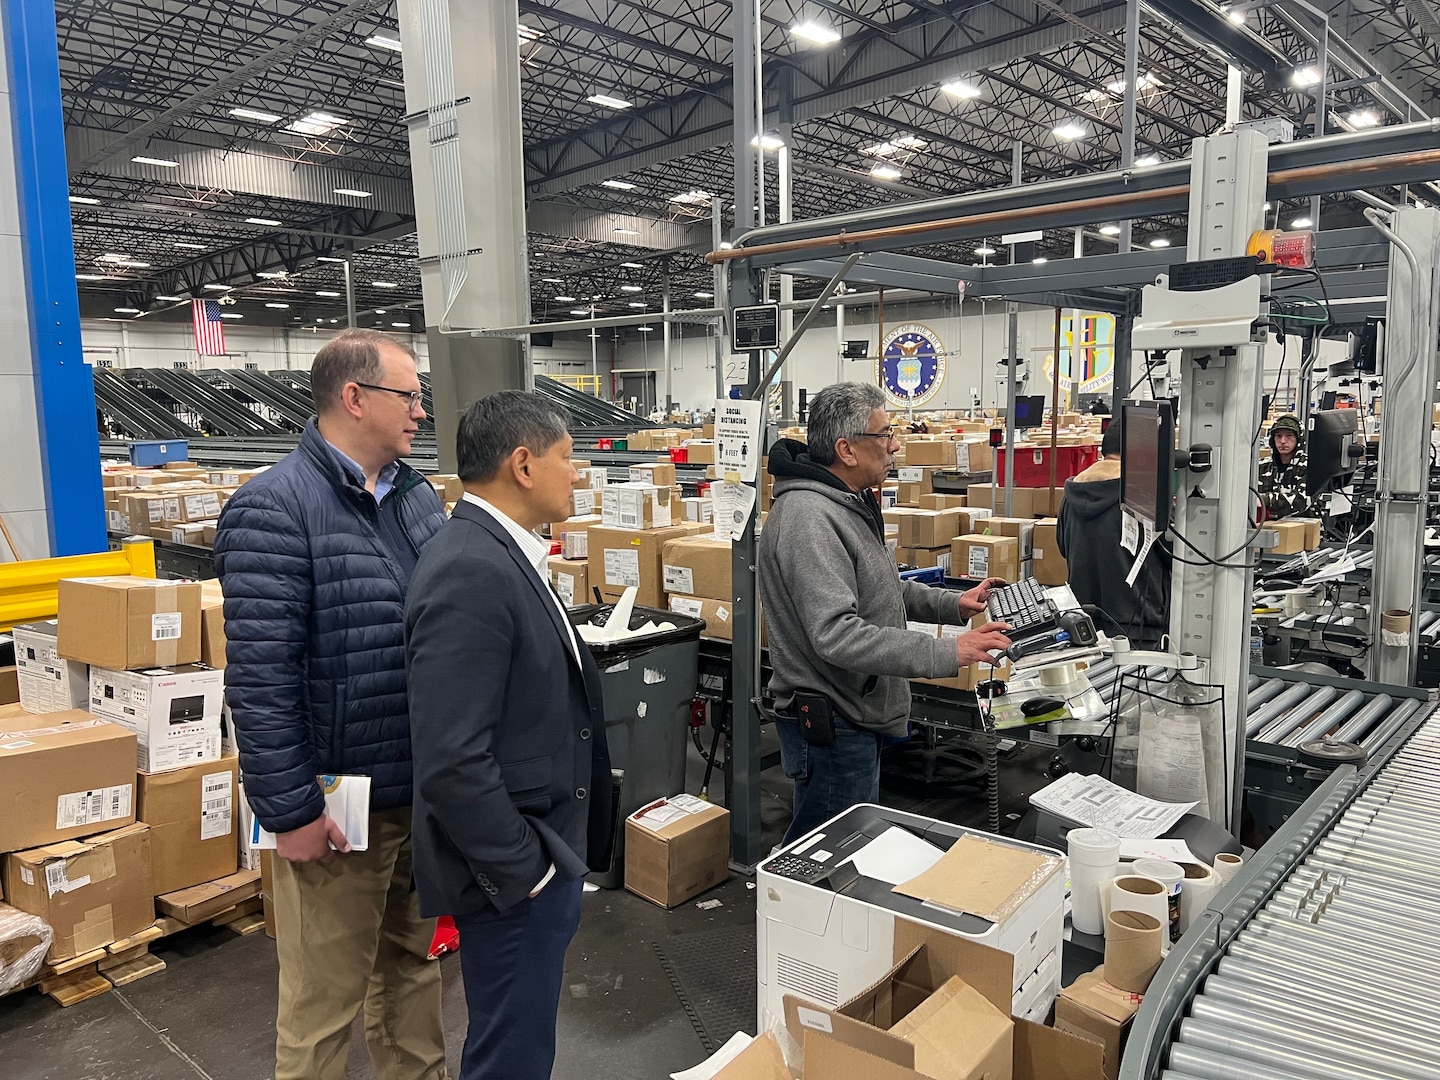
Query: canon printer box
[(174, 712)]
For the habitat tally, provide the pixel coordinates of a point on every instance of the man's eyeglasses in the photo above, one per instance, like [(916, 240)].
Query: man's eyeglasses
[(887, 434), (414, 397)]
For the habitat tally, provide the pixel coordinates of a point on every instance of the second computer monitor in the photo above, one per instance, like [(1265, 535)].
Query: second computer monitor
[(1147, 460), (1029, 410), (1327, 448)]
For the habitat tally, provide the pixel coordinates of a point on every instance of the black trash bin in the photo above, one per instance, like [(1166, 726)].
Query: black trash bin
[(648, 684)]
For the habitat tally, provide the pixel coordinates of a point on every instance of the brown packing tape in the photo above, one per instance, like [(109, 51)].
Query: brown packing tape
[(167, 601), (1132, 950), (96, 930), (98, 864)]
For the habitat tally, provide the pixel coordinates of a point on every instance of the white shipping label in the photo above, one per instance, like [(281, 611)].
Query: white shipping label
[(565, 589), (814, 1018), (202, 505), (679, 579), (27, 876), (684, 605), (979, 562), (630, 507), (216, 805), (943, 561), (962, 456), (89, 807), (910, 476), (723, 614), (622, 567), (165, 626), (584, 502), (575, 545), (1038, 554)]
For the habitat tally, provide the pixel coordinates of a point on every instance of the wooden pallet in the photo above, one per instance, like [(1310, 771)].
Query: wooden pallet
[(76, 986), (238, 918), (131, 970)]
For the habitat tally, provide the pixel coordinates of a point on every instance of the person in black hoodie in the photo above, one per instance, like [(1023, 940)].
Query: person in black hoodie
[(1088, 535)]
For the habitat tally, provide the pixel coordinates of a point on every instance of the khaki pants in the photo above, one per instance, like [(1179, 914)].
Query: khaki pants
[(349, 932)]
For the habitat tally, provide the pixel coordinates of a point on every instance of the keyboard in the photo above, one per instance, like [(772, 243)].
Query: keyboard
[(1025, 607)]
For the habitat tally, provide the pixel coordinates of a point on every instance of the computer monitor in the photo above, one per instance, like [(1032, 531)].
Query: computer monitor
[(1029, 410), (1327, 449), (1328, 399), (1147, 460)]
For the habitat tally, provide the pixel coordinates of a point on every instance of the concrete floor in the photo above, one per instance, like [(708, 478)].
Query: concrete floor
[(210, 1014)]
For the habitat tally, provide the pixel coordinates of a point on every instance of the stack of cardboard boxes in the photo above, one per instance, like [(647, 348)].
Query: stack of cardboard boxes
[(178, 502), (120, 797)]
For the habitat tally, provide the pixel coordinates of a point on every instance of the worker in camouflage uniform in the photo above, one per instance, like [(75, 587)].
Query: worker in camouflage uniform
[(1282, 477)]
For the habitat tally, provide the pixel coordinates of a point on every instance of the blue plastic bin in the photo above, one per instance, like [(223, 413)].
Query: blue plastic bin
[(159, 451)]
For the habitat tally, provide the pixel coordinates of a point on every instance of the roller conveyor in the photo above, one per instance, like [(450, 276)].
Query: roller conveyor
[(1269, 981)]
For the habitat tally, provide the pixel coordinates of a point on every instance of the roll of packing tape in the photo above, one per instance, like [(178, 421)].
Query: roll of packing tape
[(1227, 866), (1173, 878), (1132, 950), (1201, 885), (1132, 892), (1094, 860)]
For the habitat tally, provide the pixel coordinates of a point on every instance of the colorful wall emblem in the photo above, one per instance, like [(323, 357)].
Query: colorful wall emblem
[(911, 366)]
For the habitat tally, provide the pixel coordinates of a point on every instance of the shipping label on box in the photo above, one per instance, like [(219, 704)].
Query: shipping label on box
[(583, 502), (676, 848), (979, 557), (199, 506), (174, 712), (47, 682), (1021, 528), (659, 474), (117, 521), (63, 775), (698, 566)]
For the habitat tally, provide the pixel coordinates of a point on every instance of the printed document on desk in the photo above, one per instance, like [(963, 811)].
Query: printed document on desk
[(1096, 802)]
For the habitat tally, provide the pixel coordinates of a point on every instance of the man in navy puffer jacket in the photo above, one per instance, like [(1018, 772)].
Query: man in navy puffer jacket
[(315, 556)]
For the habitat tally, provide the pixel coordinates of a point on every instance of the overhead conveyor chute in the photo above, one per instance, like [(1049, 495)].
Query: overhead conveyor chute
[(221, 413), (140, 415)]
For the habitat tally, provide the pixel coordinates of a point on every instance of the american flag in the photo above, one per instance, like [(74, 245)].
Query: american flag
[(209, 330)]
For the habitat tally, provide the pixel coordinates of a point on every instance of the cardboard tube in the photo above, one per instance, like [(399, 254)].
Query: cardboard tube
[(1094, 860), (1395, 620), (1132, 950), (1227, 866), (1201, 884), (1132, 892)]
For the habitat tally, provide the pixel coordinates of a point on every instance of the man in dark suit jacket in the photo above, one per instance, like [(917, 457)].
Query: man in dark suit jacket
[(512, 774)]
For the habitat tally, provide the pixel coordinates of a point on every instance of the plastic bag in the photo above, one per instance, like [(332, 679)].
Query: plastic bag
[(24, 941)]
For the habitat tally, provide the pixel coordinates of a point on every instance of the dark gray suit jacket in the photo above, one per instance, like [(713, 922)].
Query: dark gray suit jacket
[(512, 771)]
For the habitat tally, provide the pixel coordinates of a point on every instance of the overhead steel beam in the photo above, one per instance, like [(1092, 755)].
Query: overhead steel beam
[(311, 35)]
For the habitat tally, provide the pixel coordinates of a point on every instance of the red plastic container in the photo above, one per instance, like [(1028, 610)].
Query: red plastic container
[(604, 444), (679, 455), (1032, 464)]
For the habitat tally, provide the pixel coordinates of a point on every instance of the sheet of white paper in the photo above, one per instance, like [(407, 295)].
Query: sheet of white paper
[(733, 505), (718, 1060), (895, 856), (1095, 801), (1176, 851), (1337, 569), (1171, 764), (1145, 545)]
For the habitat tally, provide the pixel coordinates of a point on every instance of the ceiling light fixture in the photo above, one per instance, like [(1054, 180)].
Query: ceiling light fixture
[(91, 277), (564, 299), (704, 295), (645, 329), (164, 163), (256, 114), (1146, 161), (218, 288), (382, 311), (637, 304), (327, 292), (1110, 230), (84, 200), (261, 221), (815, 32), (328, 258), (618, 185), (132, 264), (529, 33), (1160, 242), (553, 280), (632, 288), (886, 172), (579, 311), (316, 123), (1362, 118), (385, 284), (693, 197), (1039, 260), (768, 142), (1236, 17), (961, 89), (188, 246), (619, 231), (171, 299), (278, 306), (354, 193), (127, 311), (984, 250), (1070, 131), (1301, 223), (380, 41), (271, 274), (231, 315), (609, 101), (1305, 77), (632, 266)]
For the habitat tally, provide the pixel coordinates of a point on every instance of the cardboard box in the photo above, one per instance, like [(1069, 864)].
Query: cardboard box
[(623, 557), (144, 508), (635, 506), (658, 474), (676, 848), (193, 533), (921, 475), (47, 682), (700, 452), (129, 622), (201, 505), (980, 496), (91, 892), (985, 556), (1291, 536), (63, 776), (117, 522), (1048, 566), (174, 712), (717, 614), (571, 578), (937, 501), (1093, 1009), (192, 814), (975, 456), (1044, 502), (925, 451), (212, 624), (924, 557), (200, 902), (572, 535), (930, 528), (698, 566), (10, 685), (972, 519), (1023, 529), (702, 510), (585, 501), (1312, 531), (761, 1060)]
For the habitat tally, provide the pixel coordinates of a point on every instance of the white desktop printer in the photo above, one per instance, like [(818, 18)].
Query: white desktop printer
[(826, 911)]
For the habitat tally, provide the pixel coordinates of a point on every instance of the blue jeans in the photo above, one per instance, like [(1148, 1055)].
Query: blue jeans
[(828, 779)]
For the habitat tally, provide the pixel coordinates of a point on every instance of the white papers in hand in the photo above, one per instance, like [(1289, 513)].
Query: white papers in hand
[(1096, 802), (896, 856)]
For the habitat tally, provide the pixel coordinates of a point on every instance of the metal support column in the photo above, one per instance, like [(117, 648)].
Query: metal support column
[(666, 330), (1012, 309), (1128, 119), (1234, 96), (50, 493), (1220, 405), (745, 288), (1400, 499), (350, 291)]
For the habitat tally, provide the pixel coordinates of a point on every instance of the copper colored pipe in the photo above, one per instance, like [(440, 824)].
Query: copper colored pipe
[(1100, 206)]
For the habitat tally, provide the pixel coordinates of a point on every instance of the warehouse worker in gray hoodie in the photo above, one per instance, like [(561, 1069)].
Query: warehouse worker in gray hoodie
[(836, 609)]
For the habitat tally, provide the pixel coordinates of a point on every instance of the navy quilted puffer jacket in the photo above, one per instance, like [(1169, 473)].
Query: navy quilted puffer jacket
[(315, 622)]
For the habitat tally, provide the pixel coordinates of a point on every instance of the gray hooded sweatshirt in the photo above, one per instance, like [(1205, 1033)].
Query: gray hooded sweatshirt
[(835, 606)]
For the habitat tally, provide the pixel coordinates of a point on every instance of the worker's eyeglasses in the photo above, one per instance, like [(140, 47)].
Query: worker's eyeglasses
[(887, 434), (412, 396)]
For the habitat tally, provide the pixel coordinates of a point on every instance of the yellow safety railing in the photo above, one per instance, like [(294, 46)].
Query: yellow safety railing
[(586, 384), (30, 590)]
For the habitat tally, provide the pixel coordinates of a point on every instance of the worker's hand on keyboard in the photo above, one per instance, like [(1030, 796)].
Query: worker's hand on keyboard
[(973, 601), (975, 646)]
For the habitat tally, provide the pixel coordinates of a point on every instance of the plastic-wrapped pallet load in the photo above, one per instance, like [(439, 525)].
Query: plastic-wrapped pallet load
[(24, 941)]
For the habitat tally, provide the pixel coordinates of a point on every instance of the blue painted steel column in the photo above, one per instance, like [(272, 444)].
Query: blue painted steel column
[(64, 385)]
